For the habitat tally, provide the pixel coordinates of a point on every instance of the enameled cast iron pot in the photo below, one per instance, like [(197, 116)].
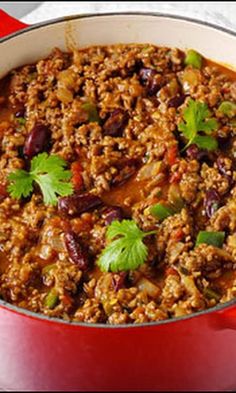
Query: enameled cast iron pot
[(197, 352)]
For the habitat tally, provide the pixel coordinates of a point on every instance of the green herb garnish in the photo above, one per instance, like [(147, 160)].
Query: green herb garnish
[(212, 238), (193, 58), (48, 172), (125, 250), (161, 211), (197, 119)]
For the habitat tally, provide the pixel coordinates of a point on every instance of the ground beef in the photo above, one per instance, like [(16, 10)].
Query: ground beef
[(205, 258), (113, 114)]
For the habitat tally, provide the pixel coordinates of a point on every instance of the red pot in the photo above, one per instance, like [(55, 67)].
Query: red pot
[(197, 352)]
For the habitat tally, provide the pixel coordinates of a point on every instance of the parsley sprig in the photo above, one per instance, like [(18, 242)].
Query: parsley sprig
[(198, 125), (125, 250), (50, 175)]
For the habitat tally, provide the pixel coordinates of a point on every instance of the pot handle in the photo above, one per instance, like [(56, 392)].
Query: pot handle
[(9, 25)]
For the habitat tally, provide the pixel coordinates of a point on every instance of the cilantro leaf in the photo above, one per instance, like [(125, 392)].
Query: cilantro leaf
[(126, 250), (123, 228), (48, 172), (206, 142), (45, 163), (51, 185), (197, 118), (21, 184)]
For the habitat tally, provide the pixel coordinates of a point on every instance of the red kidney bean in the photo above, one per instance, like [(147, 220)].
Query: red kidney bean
[(147, 78), (132, 69), (211, 202), (20, 112), (194, 153), (118, 280), (76, 204), (115, 124), (145, 74), (3, 192), (36, 141), (176, 101), (112, 213), (75, 251)]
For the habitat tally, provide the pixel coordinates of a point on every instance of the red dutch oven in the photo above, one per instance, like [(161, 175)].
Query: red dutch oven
[(197, 352)]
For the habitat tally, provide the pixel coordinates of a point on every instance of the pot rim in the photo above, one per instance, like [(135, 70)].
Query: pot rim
[(42, 317), (122, 13), (39, 316)]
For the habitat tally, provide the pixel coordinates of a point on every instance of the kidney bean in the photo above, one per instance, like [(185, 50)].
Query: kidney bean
[(194, 153), (18, 109), (115, 124), (3, 192), (148, 79), (76, 204), (145, 74), (129, 71), (112, 213), (211, 202), (176, 101), (36, 141), (20, 112), (118, 280), (75, 251)]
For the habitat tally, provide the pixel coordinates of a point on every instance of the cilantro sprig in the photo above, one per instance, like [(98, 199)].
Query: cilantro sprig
[(125, 250), (198, 125), (50, 175)]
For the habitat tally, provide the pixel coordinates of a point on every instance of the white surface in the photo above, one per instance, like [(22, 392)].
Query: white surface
[(20, 9), (221, 13)]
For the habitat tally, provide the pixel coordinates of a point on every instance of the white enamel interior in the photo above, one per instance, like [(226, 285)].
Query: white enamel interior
[(110, 29)]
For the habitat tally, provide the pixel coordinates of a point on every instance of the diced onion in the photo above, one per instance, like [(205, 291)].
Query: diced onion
[(67, 78), (147, 286), (190, 78), (175, 250), (64, 95), (45, 251), (149, 170)]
